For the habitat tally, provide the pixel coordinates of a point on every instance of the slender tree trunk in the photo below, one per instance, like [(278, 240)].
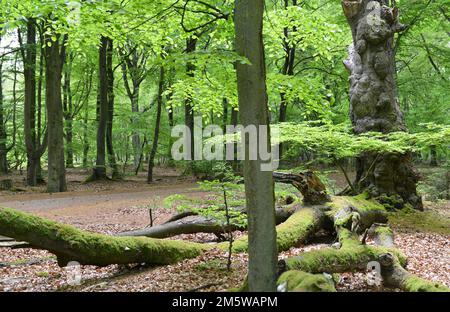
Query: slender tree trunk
[(433, 156), (259, 185), (109, 124), (373, 100), (29, 60), (191, 45), (68, 111), (3, 136), (151, 160), (288, 70), (100, 166), (85, 134), (54, 59)]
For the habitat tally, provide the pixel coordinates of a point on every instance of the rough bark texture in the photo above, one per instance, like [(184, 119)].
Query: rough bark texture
[(259, 186), (373, 97), (54, 54)]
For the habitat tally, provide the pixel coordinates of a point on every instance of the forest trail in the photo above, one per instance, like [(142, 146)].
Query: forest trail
[(105, 206)]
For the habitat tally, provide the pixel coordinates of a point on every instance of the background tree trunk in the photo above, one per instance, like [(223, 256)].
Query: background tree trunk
[(109, 123), (191, 45), (259, 185), (3, 136), (100, 165), (34, 147), (54, 59), (373, 99), (151, 160)]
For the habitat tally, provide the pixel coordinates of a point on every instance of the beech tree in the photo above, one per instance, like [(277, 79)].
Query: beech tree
[(374, 102), (259, 188)]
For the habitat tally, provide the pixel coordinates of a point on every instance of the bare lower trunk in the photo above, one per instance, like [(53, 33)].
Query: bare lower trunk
[(259, 185), (100, 165), (373, 99), (54, 53), (151, 160)]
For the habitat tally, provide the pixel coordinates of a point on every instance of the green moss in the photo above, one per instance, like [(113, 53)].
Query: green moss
[(417, 284), (423, 221), (290, 233), (305, 282), (42, 274), (349, 258), (70, 243), (212, 265)]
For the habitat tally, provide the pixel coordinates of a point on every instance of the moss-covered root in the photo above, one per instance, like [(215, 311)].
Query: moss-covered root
[(300, 281), (71, 244), (295, 230), (395, 275), (356, 213)]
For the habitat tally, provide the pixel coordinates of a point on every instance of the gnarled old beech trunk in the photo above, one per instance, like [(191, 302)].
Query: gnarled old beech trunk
[(373, 100)]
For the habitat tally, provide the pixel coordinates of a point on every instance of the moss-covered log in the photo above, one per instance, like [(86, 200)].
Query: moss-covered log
[(71, 244), (295, 230), (298, 281)]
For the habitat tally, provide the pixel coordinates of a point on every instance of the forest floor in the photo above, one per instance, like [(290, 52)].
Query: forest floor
[(110, 207)]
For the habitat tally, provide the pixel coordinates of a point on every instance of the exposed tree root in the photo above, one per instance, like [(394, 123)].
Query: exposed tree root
[(347, 216)]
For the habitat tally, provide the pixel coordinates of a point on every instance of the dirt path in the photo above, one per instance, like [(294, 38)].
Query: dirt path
[(105, 206)]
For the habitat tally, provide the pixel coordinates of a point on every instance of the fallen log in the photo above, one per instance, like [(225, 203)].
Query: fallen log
[(191, 223), (71, 244)]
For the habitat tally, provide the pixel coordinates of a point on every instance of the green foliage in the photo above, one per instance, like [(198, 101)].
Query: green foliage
[(435, 186), (222, 193)]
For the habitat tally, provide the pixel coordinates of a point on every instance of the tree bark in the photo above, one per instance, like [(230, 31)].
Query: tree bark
[(373, 99), (3, 135), (259, 186), (34, 148), (68, 110), (109, 123), (100, 165), (54, 59), (151, 159), (191, 45), (288, 70)]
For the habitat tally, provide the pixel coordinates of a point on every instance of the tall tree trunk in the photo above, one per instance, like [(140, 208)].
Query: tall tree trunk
[(100, 166), (54, 59), (433, 156), (68, 110), (151, 160), (288, 69), (28, 51), (109, 123), (373, 99), (191, 45), (259, 185), (85, 134), (3, 136)]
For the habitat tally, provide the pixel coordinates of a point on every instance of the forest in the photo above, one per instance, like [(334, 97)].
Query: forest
[(224, 145)]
